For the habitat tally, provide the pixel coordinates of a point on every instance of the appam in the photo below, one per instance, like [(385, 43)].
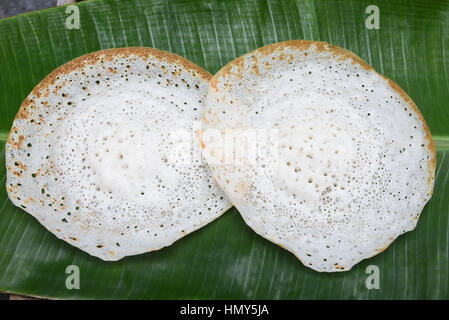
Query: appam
[(99, 152), (329, 159)]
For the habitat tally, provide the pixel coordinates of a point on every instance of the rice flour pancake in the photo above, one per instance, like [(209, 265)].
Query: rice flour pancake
[(99, 152), (353, 162)]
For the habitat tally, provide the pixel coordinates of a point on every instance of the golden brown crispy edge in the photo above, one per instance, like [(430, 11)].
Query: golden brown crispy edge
[(92, 58)]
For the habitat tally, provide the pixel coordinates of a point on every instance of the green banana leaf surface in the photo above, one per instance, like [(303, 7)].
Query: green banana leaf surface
[(226, 259)]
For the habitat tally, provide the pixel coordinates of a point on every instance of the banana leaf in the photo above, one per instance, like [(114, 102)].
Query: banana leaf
[(226, 259)]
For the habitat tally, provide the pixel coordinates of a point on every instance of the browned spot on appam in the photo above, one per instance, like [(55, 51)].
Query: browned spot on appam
[(177, 73), (17, 173), (205, 119), (200, 139), (20, 165), (242, 188), (255, 67), (23, 112), (29, 200), (15, 144)]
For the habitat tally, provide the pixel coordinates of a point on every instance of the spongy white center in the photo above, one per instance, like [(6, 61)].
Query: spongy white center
[(125, 148)]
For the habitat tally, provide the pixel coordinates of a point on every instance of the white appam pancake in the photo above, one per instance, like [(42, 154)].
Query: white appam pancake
[(346, 163), (100, 154)]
